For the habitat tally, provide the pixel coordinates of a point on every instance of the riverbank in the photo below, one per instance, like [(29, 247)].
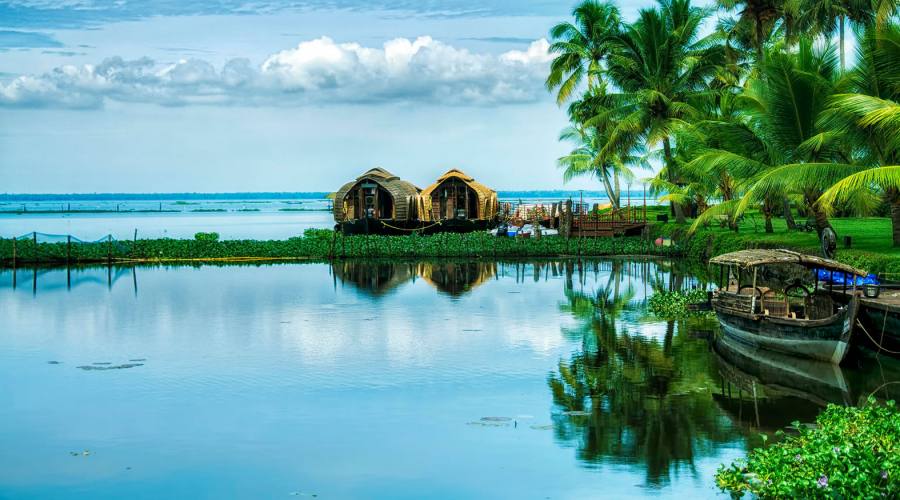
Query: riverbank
[(321, 245), (870, 248)]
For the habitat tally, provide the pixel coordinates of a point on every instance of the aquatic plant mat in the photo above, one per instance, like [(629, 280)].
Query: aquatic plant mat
[(849, 453), (319, 245)]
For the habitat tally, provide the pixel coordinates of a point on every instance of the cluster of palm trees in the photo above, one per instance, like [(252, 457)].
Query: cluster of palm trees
[(746, 107)]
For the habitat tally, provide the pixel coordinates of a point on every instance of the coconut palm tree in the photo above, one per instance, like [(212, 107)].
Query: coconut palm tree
[(660, 63), (781, 148), (581, 47), (870, 118), (756, 21), (827, 16)]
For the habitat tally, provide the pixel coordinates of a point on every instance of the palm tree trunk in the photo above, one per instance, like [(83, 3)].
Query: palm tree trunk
[(895, 219), (788, 215), (842, 42), (610, 193), (760, 54), (670, 165), (821, 220)]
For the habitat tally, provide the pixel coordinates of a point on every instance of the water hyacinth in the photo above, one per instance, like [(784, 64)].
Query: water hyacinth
[(850, 453), (319, 244)]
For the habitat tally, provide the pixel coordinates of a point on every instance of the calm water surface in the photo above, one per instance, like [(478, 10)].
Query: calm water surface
[(394, 380)]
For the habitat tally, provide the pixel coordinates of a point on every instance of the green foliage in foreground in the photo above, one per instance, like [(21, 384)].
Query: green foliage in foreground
[(325, 244), (851, 453), (674, 305)]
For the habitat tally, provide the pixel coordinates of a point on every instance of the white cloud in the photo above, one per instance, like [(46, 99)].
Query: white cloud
[(316, 71)]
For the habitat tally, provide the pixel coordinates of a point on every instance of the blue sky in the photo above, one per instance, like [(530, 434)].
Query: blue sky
[(227, 95)]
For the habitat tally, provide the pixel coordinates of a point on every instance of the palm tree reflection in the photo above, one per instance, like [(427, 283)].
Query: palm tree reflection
[(631, 399)]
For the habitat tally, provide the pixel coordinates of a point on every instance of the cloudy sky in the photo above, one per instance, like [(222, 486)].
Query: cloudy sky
[(235, 95)]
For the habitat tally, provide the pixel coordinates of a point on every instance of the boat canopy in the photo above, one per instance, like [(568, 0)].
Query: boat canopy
[(761, 257)]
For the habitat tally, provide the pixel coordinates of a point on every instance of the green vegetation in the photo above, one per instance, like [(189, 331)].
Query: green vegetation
[(760, 116), (869, 250), (323, 245), (674, 304), (851, 453)]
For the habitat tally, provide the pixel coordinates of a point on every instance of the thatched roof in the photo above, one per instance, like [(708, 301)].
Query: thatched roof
[(487, 197), (760, 257), (405, 194), (457, 278)]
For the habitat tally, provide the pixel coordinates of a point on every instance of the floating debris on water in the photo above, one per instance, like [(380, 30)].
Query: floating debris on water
[(85, 453), (546, 427), (138, 359), (54, 362), (489, 424), (471, 329), (495, 419), (111, 367), (577, 413), (101, 363)]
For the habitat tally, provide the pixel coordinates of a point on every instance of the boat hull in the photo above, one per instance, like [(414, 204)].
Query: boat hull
[(393, 227), (882, 324), (825, 340)]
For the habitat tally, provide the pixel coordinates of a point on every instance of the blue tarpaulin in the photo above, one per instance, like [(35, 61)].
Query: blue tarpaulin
[(839, 278)]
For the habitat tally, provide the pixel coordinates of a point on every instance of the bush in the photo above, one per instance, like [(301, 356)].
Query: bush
[(851, 453), (206, 236), (673, 305)]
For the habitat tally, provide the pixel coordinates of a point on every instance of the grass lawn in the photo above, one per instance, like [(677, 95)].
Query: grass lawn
[(871, 247)]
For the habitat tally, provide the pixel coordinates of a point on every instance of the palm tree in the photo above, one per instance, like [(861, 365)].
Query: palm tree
[(581, 47), (780, 148), (591, 116), (660, 63), (827, 16), (870, 117), (585, 159), (756, 21)]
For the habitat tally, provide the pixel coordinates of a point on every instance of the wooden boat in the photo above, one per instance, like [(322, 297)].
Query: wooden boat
[(879, 322), (377, 202), (457, 203), (772, 299)]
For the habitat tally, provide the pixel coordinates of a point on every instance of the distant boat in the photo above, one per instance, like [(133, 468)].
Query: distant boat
[(377, 202), (458, 203), (773, 299)]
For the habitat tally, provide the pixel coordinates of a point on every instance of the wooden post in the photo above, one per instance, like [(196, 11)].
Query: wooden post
[(68, 248), (753, 293), (109, 249), (14, 257), (34, 240)]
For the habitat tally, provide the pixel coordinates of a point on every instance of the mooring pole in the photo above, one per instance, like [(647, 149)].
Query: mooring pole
[(109, 249), (68, 248), (34, 240), (14, 256)]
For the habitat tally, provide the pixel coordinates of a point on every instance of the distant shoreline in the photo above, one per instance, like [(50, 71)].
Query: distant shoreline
[(264, 195)]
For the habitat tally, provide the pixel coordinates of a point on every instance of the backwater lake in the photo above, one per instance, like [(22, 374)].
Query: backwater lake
[(425, 379)]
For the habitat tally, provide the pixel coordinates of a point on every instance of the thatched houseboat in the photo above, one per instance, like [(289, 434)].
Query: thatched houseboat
[(457, 278), (377, 202), (456, 202)]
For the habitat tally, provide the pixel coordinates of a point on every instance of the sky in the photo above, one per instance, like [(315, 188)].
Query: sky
[(235, 95)]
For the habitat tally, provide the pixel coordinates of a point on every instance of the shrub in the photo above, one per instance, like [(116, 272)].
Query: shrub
[(206, 236), (673, 305), (850, 453)]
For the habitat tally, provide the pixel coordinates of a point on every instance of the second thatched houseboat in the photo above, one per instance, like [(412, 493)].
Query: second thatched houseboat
[(377, 202), (457, 203)]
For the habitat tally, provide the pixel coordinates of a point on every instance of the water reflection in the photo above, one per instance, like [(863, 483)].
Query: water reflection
[(629, 398), (337, 359)]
